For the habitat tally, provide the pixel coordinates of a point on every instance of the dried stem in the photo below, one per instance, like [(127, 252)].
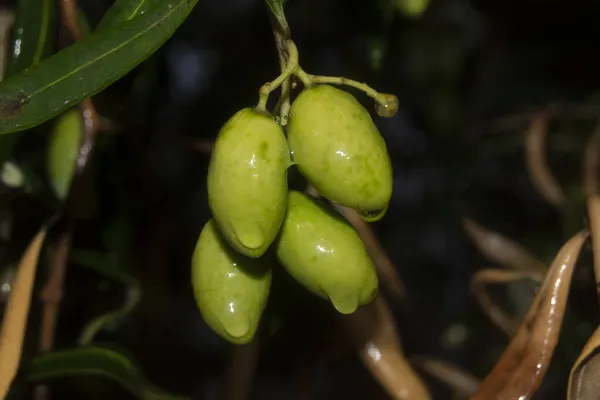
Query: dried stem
[(461, 382), (537, 165), (373, 327), (484, 277), (501, 250), (52, 291), (565, 110), (238, 382)]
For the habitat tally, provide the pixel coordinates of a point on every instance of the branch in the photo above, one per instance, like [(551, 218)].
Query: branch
[(52, 292)]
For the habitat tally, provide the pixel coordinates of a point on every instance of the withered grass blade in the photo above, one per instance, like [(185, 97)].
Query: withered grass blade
[(523, 365), (374, 329), (584, 380), (463, 383), (537, 166), (14, 324), (490, 276), (500, 249)]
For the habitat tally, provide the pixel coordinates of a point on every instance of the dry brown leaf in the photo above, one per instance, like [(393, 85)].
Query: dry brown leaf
[(500, 249), (523, 365), (584, 380), (463, 383), (14, 324), (484, 277), (379, 350), (537, 165)]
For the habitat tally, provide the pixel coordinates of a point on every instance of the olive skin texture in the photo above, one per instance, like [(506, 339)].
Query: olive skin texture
[(247, 181), (324, 253), (231, 290), (63, 150), (337, 147)]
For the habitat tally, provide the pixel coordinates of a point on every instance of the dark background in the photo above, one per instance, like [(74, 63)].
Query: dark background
[(456, 70)]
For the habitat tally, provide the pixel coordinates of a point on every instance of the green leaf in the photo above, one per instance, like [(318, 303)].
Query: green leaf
[(86, 67), (124, 10), (31, 41), (83, 23), (32, 34), (96, 361), (276, 7)]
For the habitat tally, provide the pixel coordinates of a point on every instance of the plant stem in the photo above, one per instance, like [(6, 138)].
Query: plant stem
[(53, 289), (339, 80), (267, 88), (282, 35)]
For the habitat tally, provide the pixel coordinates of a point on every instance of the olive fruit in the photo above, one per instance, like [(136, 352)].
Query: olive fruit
[(65, 140), (337, 147), (247, 181), (323, 252), (231, 290)]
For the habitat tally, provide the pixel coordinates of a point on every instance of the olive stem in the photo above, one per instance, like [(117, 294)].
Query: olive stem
[(268, 87), (384, 100)]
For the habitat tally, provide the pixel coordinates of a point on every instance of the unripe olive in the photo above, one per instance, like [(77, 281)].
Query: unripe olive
[(323, 252), (231, 290), (65, 140), (339, 150), (247, 181)]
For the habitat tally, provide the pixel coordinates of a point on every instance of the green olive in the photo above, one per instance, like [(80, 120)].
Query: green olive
[(339, 150), (231, 290), (247, 181), (323, 252), (63, 150)]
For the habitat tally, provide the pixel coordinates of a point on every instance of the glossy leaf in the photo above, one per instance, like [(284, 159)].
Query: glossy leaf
[(96, 361), (522, 366), (31, 41), (86, 67), (124, 10), (33, 34)]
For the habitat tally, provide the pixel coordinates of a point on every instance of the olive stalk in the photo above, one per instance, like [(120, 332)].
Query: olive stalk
[(387, 104), (267, 88)]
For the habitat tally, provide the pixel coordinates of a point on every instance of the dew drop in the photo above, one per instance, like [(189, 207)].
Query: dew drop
[(372, 216), (387, 105)]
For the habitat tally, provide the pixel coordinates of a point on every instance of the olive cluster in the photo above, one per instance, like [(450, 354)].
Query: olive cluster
[(334, 143)]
